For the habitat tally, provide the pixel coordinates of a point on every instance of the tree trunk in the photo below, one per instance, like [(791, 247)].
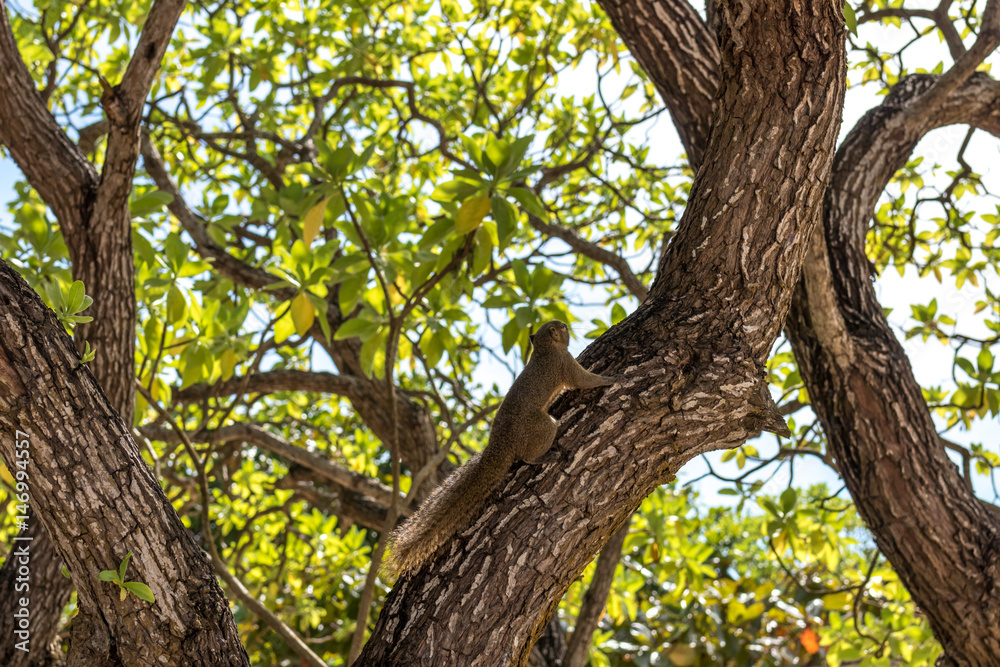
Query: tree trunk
[(98, 500), (859, 380), (117, 506), (943, 542), (689, 361), (594, 600), (47, 590)]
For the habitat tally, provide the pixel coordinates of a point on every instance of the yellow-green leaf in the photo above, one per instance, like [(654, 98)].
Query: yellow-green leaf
[(303, 313), (837, 601), (228, 363), (471, 213), (313, 221), (284, 328), (176, 305)]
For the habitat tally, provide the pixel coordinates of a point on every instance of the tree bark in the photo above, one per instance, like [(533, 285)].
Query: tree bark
[(48, 591), (690, 360), (98, 500), (94, 217), (873, 413), (942, 541)]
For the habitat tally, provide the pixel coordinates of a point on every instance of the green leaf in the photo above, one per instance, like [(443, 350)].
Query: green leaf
[(55, 294), (322, 313), (303, 313), (521, 275), (471, 213), (373, 354), (176, 306), (351, 291), (966, 366), (284, 327), (176, 251), (108, 575), (313, 220), (506, 218), (498, 152), (509, 335), (788, 499), (985, 361), (482, 251), (74, 300), (530, 201), (456, 190), (850, 19), (140, 590), (124, 566), (355, 328), (837, 601), (150, 202), (228, 362)]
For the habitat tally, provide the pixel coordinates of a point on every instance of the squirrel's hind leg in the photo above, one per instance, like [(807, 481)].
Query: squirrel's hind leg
[(537, 436)]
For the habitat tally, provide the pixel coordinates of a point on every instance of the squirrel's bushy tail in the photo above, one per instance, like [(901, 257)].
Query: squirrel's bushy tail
[(445, 511)]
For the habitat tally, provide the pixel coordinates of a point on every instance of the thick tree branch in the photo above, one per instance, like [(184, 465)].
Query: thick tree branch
[(54, 167), (94, 218), (926, 519), (98, 500), (988, 40), (268, 382), (852, 363), (690, 360), (123, 106)]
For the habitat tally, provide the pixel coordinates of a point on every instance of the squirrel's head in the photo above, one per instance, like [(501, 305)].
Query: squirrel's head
[(551, 334)]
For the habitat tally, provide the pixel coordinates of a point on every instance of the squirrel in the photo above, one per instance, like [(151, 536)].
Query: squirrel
[(522, 430)]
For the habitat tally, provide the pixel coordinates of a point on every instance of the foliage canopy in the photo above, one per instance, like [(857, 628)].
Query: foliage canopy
[(443, 177)]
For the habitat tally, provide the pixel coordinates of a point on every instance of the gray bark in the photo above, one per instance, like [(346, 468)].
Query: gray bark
[(98, 500)]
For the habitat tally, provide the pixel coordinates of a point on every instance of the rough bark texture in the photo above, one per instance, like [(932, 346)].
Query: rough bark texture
[(94, 217), (689, 360), (899, 477), (550, 648), (943, 542), (47, 600), (98, 499), (67, 181)]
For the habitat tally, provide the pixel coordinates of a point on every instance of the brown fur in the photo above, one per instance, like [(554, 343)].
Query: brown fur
[(522, 431)]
